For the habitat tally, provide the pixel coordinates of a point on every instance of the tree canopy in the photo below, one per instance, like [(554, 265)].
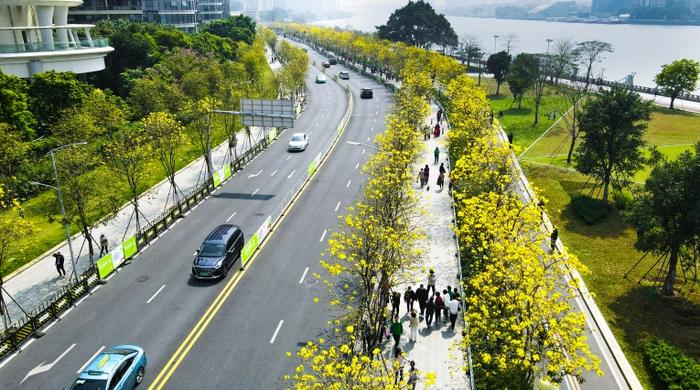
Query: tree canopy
[(238, 28), (499, 65), (522, 75), (419, 25), (677, 77), (613, 123)]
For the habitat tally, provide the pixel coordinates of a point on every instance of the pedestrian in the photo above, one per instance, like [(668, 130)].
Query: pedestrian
[(426, 174), (441, 180), (431, 281), (429, 311), (409, 297), (553, 240), (59, 264), (426, 132), (442, 168), (439, 115), (413, 326), (421, 178), (453, 307), (510, 138), (413, 375), (451, 293), (395, 302), (398, 365), (422, 298), (103, 245), (439, 307), (436, 153), (396, 330), (446, 296), (436, 131)]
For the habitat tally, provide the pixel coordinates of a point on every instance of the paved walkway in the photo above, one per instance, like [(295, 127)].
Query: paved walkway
[(437, 348), (37, 282)]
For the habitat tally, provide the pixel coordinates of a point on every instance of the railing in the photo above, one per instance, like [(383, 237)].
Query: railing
[(55, 46)]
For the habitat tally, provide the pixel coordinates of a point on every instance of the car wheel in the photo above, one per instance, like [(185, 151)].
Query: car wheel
[(139, 376)]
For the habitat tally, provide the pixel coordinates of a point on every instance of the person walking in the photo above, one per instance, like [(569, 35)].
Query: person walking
[(453, 307), (431, 281), (413, 326), (409, 297), (395, 303), (451, 293), (439, 115), (442, 168), (422, 298), (446, 296), (426, 174), (439, 307), (398, 366), (429, 311), (103, 245), (412, 375), (396, 330), (436, 154), (553, 240), (421, 178), (441, 180), (59, 264)]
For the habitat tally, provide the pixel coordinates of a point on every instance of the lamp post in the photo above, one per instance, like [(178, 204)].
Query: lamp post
[(495, 37), (60, 199), (549, 40)]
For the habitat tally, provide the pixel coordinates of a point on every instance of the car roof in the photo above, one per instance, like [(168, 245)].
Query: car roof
[(366, 89), (343, 71), (295, 134), (221, 233), (102, 365)]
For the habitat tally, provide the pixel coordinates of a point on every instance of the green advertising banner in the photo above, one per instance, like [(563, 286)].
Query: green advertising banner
[(312, 168), (105, 266), (129, 247), (227, 171), (249, 248), (272, 134), (217, 179)]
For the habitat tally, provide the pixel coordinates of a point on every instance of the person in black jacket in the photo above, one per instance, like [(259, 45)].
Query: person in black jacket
[(429, 311), (59, 264), (422, 298), (395, 302), (409, 297)]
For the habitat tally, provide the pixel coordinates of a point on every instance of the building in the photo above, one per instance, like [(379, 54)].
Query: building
[(35, 37), (208, 10), (652, 3), (612, 7), (93, 10), (177, 13)]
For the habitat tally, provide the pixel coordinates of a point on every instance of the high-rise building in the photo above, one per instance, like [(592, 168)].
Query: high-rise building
[(208, 10), (178, 13), (93, 10), (612, 7), (35, 37)]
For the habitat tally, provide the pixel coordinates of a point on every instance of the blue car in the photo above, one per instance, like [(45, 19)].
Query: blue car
[(120, 368)]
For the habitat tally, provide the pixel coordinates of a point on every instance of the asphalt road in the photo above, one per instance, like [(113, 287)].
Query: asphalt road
[(272, 310), (135, 308)]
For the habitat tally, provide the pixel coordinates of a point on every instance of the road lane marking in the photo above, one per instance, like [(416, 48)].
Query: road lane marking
[(363, 151), (309, 134), (255, 175), (288, 157), (46, 367), (323, 235), (337, 206), (154, 295), (367, 139), (273, 173), (348, 185), (291, 174), (357, 165), (255, 192), (195, 253), (372, 129), (274, 336), (316, 125), (232, 215), (375, 119), (303, 275), (89, 360)]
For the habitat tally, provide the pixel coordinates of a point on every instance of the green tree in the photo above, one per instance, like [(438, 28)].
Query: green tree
[(677, 77), (419, 25), (666, 214), (613, 124), (498, 64), (222, 47), (51, 93), (564, 58), (239, 28), (14, 155), (166, 135), (522, 75), (201, 126), (14, 105), (470, 50), (590, 52)]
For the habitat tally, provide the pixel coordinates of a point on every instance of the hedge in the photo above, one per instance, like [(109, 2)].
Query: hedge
[(590, 210), (674, 369)]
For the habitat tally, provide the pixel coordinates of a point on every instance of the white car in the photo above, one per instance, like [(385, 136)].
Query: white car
[(298, 142), (320, 79)]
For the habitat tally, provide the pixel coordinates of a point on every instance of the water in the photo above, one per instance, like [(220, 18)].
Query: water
[(641, 49)]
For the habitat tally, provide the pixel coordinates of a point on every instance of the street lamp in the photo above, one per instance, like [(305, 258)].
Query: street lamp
[(495, 37), (60, 199), (354, 143)]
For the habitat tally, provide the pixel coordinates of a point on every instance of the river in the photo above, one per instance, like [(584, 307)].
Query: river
[(638, 49)]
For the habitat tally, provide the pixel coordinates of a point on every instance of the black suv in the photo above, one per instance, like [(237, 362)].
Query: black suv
[(332, 60), (218, 252), (366, 93)]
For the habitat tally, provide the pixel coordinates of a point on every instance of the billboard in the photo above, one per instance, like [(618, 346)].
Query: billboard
[(267, 113)]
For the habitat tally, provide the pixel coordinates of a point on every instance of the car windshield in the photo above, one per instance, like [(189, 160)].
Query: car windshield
[(297, 137), (89, 384), (212, 250)]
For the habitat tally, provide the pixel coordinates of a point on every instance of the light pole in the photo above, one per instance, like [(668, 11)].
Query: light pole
[(549, 40), (60, 199), (495, 37)]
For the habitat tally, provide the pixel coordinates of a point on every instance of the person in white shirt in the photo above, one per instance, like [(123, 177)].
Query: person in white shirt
[(453, 307)]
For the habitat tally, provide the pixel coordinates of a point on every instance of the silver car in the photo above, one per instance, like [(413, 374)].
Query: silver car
[(298, 142)]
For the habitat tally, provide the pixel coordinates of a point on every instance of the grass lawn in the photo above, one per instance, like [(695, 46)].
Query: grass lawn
[(633, 310)]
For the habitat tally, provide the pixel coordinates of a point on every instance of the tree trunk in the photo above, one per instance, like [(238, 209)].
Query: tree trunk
[(571, 148), (88, 237), (667, 289), (673, 98), (537, 111), (606, 185), (498, 87)]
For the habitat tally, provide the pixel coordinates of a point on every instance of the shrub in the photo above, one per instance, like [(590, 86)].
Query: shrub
[(590, 210), (622, 198), (676, 370)]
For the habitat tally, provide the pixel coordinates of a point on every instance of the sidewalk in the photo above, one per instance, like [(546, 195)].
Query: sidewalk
[(437, 348), (37, 282)]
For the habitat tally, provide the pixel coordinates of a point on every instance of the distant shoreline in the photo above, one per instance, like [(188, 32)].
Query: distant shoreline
[(649, 22)]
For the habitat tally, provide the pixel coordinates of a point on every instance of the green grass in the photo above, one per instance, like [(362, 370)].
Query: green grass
[(42, 209), (633, 310)]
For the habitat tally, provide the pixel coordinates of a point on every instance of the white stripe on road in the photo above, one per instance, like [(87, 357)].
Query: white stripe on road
[(288, 157), (89, 360), (348, 185), (232, 215), (303, 275), (357, 165), (273, 173), (375, 119), (309, 134), (254, 192), (195, 253), (274, 336), (363, 151), (337, 206), (323, 235), (255, 175), (372, 129), (367, 139), (291, 174), (154, 295)]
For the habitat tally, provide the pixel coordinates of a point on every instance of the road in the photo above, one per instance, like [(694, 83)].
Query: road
[(154, 303)]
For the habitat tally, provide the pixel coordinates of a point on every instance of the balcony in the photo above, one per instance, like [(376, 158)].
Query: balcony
[(55, 46)]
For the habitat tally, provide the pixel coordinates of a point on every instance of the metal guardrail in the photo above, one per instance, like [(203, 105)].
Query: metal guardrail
[(16, 334)]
